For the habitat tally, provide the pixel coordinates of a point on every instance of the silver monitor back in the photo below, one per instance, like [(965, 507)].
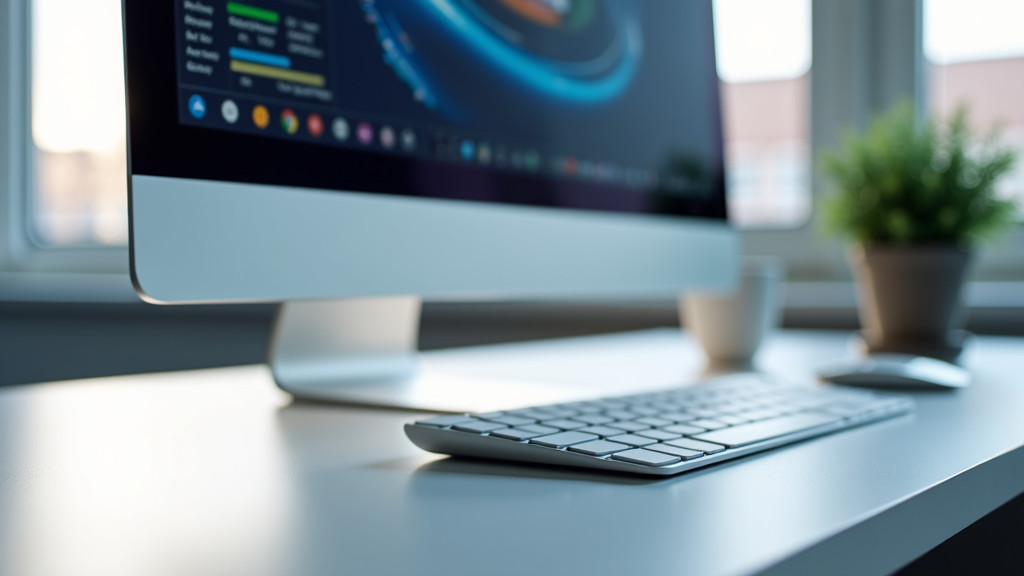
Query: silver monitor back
[(228, 207)]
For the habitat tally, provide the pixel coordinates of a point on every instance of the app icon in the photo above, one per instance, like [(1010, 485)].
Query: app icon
[(197, 106), (483, 154), (571, 166), (387, 137), (315, 125), (289, 121), (340, 129), (408, 140), (261, 116), (516, 159), (586, 169), (532, 160), (467, 150), (229, 110), (365, 133)]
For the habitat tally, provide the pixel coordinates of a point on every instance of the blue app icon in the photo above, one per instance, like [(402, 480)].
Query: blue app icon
[(197, 106), (468, 150)]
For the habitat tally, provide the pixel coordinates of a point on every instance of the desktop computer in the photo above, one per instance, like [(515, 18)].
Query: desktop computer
[(351, 157)]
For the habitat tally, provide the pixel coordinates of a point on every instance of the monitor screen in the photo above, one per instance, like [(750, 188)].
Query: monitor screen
[(587, 104)]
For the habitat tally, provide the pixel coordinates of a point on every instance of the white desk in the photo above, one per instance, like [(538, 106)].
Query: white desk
[(216, 473)]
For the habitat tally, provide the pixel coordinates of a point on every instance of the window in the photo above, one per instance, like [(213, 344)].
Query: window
[(975, 52), (765, 88), (78, 124)]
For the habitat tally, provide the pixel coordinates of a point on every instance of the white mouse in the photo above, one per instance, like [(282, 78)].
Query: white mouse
[(896, 371)]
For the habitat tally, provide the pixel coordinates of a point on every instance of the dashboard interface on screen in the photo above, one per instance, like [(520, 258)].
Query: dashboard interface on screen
[(617, 95)]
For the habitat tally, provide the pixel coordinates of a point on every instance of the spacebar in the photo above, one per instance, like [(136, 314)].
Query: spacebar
[(766, 429)]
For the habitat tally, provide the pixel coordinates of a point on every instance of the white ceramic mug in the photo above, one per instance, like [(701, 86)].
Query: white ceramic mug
[(731, 326)]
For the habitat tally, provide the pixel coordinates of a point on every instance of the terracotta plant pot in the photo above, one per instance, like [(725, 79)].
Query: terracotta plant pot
[(910, 298)]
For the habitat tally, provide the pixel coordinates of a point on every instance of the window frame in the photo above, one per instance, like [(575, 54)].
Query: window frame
[(19, 251), (862, 61)]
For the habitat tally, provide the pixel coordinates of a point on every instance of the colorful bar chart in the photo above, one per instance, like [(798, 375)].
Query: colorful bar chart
[(276, 73), (260, 57), (247, 11)]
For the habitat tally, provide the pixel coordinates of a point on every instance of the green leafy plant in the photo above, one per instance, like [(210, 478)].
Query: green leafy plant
[(903, 182)]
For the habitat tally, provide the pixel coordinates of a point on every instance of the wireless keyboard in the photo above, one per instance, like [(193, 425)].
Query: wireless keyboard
[(659, 433)]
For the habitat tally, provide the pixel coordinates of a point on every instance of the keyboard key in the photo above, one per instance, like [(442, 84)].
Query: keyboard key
[(644, 410), (708, 424), (564, 424), (656, 422), (683, 453), (533, 414), (539, 429), (658, 434), (621, 414), (685, 429), (511, 420), (601, 430), (561, 413), (599, 448), (489, 415), (443, 421), (731, 419), (632, 440), (767, 429), (761, 414), (515, 434), (678, 417), (594, 419), (563, 439), (629, 426), (691, 444), (646, 457), (479, 426)]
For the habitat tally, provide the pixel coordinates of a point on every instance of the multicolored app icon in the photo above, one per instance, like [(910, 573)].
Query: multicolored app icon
[(289, 121), (315, 125), (261, 116), (229, 110), (387, 137), (365, 133), (340, 129), (197, 106)]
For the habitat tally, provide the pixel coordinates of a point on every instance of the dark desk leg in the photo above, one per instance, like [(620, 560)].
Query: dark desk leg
[(992, 545)]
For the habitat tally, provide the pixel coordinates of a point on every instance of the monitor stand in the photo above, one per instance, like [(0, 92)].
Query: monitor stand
[(364, 352)]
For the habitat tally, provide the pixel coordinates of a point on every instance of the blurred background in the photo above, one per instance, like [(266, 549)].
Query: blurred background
[(66, 309)]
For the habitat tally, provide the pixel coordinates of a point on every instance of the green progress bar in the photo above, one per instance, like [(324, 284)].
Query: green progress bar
[(246, 11)]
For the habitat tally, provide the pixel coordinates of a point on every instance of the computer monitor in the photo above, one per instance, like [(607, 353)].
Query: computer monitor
[(351, 157)]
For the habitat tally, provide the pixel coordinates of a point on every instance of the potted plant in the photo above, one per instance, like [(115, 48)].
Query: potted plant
[(915, 199)]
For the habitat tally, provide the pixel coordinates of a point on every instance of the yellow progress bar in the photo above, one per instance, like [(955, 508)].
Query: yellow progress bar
[(278, 73)]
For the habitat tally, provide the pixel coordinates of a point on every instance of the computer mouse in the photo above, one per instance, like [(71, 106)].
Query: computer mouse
[(896, 371)]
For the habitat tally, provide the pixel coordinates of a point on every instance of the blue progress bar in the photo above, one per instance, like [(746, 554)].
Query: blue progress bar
[(261, 58)]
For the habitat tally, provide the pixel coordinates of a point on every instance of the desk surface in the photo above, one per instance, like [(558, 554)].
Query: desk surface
[(218, 473)]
